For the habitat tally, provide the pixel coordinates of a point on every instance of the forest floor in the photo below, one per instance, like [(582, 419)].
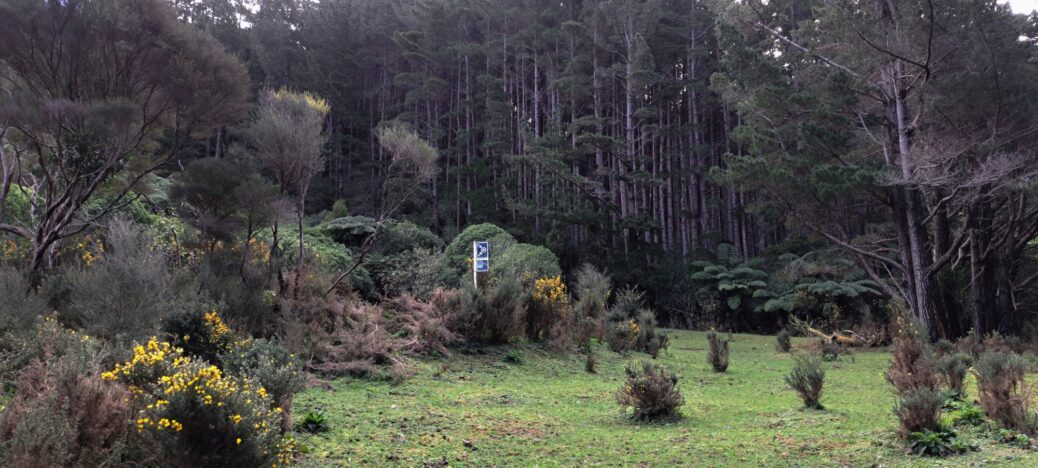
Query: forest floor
[(526, 406)]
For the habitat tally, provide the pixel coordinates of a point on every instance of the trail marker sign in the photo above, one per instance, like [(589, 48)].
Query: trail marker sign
[(480, 260)]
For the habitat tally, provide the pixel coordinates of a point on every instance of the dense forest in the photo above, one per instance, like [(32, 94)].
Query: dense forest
[(639, 135)]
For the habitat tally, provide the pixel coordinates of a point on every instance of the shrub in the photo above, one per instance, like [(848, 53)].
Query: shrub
[(951, 372), (964, 414), (995, 342), (21, 305), (829, 349), (272, 367), (549, 315), (203, 335), (937, 443), (651, 391), (1002, 390), (1013, 438), (622, 336), (133, 266), (719, 351), (807, 378), (911, 367), (592, 289), (45, 341), (782, 341), (63, 414), (493, 314), (458, 253), (917, 410), (943, 348), (342, 337), (415, 272), (313, 422), (424, 325), (589, 363), (526, 261), (198, 415), (650, 338)]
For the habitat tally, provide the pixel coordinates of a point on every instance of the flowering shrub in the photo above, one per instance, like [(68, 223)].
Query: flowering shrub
[(270, 365), (550, 315), (622, 336), (199, 415), (200, 334)]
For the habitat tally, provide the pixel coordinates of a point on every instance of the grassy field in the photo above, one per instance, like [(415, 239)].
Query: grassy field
[(524, 406)]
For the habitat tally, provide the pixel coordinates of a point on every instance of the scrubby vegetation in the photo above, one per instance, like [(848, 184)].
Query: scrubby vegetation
[(651, 392)]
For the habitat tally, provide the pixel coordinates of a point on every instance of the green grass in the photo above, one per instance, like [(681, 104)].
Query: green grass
[(483, 409)]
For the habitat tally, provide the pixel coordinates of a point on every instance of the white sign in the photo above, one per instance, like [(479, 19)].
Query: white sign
[(480, 260)]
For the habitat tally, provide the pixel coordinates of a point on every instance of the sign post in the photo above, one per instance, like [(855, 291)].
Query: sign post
[(480, 260)]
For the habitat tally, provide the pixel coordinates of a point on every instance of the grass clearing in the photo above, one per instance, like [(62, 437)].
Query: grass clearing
[(484, 409)]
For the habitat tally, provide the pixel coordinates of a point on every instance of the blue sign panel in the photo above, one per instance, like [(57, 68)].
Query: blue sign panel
[(482, 250), (482, 265)]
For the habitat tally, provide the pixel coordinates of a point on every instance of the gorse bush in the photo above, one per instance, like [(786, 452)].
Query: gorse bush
[(130, 265), (21, 304), (549, 315), (198, 415), (424, 325), (917, 410), (272, 367), (718, 352), (493, 314), (651, 392), (807, 378), (1003, 392), (782, 341), (622, 336), (828, 349), (200, 334), (951, 372), (911, 366), (593, 289), (63, 414)]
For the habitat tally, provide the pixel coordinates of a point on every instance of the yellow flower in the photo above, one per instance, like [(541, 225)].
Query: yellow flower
[(238, 441)]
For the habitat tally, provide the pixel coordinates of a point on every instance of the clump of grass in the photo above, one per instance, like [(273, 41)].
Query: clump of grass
[(719, 351), (782, 341), (589, 364), (807, 379), (651, 391)]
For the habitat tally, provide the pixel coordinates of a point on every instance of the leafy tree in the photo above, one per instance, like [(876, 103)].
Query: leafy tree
[(288, 136), (124, 89)]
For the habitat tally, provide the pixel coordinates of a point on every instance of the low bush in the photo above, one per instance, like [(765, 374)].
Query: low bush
[(719, 350), (1002, 390), (951, 372), (782, 341), (492, 314), (829, 350), (63, 414), (622, 336), (425, 326), (939, 443), (961, 413), (651, 392), (911, 366), (917, 410), (549, 316), (341, 336), (198, 415), (313, 422), (130, 264), (1013, 438), (807, 378), (589, 363), (593, 289), (21, 305), (200, 334), (272, 367)]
